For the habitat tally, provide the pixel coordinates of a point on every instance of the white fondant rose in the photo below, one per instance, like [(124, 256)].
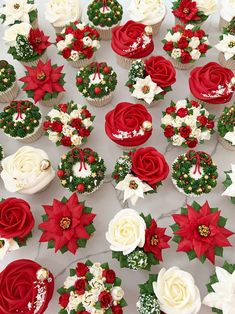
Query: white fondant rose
[(194, 42), (70, 281), (195, 54), (176, 53), (207, 6), (117, 293), (176, 292), (177, 140), (126, 231), (14, 30), (54, 137), (96, 270)]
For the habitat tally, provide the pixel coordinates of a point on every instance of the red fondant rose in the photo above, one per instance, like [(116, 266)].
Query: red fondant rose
[(161, 71), (80, 285), (130, 40), (105, 299), (211, 83), (128, 118), (20, 289), (81, 269), (64, 299), (169, 131), (117, 309), (16, 219), (109, 275), (149, 165)]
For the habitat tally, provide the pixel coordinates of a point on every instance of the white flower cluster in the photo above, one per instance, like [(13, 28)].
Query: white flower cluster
[(227, 46)]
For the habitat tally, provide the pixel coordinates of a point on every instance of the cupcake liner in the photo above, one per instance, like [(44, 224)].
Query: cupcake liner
[(126, 62), (226, 144), (10, 93), (230, 63), (157, 26), (34, 63), (34, 136), (53, 101), (106, 34), (222, 24), (144, 103), (128, 148), (81, 63), (100, 102), (35, 23), (58, 30), (182, 66)]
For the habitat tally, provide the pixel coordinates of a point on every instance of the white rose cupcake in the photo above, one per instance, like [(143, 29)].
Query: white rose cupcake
[(227, 12), (28, 171)]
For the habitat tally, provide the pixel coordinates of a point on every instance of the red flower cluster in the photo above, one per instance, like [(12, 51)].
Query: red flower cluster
[(38, 40), (187, 11)]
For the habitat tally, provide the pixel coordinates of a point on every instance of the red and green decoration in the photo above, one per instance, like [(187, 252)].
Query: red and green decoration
[(105, 13), (228, 182), (187, 12), (200, 232), (87, 163), (67, 224), (230, 29), (226, 122), (20, 118), (92, 281), (151, 254), (96, 80), (7, 75), (194, 173)]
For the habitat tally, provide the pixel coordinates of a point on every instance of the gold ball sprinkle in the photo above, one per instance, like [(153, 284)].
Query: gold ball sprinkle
[(147, 125), (42, 274)]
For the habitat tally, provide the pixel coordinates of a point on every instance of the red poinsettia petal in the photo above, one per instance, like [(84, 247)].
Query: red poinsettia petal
[(46, 236), (86, 219), (81, 233), (200, 247), (72, 246), (72, 201), (184, 246), (48, 209), (210, 254), (57, 87), (192, 213), (180, 219), (38, 95)]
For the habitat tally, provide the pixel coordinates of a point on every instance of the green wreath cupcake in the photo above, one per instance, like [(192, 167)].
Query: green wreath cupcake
[(97, 82), (194, 173), (81, 170), (9, 88), (22, 121), (226, 128), (104, 16), (229, 184)]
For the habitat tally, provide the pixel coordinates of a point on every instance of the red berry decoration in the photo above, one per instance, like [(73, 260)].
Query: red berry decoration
[(91, 159), (106, 70), (60, 173), (97, 90), (81, 187), (79, 80), (63, 107)]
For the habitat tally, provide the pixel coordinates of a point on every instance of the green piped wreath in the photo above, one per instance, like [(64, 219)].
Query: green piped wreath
[(7, 75), (227, 182), (226, 121)]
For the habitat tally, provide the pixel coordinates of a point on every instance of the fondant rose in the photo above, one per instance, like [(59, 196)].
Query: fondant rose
[(16, 219), (131, 41), (127, 117), (212, 83), (161, 71), (149, 165)]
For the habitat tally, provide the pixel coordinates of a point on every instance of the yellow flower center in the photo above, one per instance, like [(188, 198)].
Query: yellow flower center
[(231, 44), (154, 240), (16, 6), (65, 223), (41, 76), (145, 89), (133, 185), (204, 231)]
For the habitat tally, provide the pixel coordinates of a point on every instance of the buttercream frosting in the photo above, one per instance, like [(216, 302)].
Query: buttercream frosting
[(227, 10)]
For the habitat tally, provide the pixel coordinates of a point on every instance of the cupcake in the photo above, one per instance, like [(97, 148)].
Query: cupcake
[(19, 11), (185, 45), (187, 123), (67, 224), (92, 288), (146, 240), (226, 128), (22, 121), (158, 295), (227, 13), (140, 172), (9, 88), (97, 82), (60, 13), (104, 15), (226, 47), (149, 80), (128, 125), (193, 11), (212, 84), (26, 44), (1, 154), (220, 289), (229, 184), (132, 41), (25, 287), (148, 12), (199, 232), (68, 124), (16, 224), (81, 170), (28, 171), (77, 43), (44, 82), (194, 173)]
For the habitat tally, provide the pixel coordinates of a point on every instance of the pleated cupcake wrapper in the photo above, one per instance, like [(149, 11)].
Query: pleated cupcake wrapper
[(58, 30), (100, 102), (182, 66), (226, 144), (178, 22), (53, 101), (230, 63), (212, 108), (106, 34), (222, 24), (128, 148), (35, 23), (81, 63), (157, 26), (10, 94), (126, 62), (144, 103), (33, 137), (34, 63)]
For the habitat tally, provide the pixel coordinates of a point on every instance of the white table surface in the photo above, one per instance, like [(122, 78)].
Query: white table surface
[(105, 201)]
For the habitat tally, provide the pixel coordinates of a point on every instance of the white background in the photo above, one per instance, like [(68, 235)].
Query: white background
[(105, 202)]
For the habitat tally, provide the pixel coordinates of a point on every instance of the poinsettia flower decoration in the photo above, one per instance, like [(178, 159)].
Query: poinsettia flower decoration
[(186, 11), (199, 231), (38, 40), (67, 225)]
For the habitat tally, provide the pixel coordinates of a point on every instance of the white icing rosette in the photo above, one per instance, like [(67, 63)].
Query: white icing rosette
[(208, 7), (227, 11), (11, 33)]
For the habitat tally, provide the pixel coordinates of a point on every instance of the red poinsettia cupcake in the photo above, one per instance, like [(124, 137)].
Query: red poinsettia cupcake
[(132, 41), (128, 125), (25, 287)]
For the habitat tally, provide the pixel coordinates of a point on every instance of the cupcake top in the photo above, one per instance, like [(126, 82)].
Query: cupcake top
[(187, 123), (92, 288), (18, 11), (132, 40), (226, 125), (81, 170), (105, 13), (229, 184), (7, 75), (43, 81), (96, 80), (148, 12), (23, 276), (27, 171), (67, 224), (226, 42), (128, 124), (78, 41), (230, 28), (16, 224), (227, 9), (61, 12), (68, 124), (20, 119), (146, 239), (212, 83)]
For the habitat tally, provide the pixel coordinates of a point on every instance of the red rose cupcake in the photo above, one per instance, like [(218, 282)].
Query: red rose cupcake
[(132, 41), (128, 125), (25, 287)]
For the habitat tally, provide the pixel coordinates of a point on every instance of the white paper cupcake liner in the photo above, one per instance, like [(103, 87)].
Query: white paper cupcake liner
[(126, 62), (222, 24), (81, 63), (182, 66), (53, 101), (10, 94), (230, 63), (100, 102), (106, 33), (226, 144), (34, 136), (34, 63), (144, 103)]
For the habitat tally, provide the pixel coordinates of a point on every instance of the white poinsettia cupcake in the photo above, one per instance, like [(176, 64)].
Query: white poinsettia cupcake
[(226, 128), (229, 184), (227, 13)]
